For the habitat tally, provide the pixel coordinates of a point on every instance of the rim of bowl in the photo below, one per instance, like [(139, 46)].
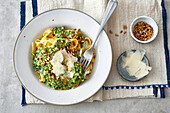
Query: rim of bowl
[(15, 64), (155, 29)]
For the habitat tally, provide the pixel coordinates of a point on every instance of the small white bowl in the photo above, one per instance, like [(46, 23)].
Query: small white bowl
[(149, 21)]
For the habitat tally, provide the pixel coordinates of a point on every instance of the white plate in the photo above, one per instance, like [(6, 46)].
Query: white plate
[(23, 59)]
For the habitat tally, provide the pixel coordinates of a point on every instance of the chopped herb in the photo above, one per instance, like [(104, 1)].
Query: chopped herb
[(79, 34), (77, 54), (68, 43), (59, 32)]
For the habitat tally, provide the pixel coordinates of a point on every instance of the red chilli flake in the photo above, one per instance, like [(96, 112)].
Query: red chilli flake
[(24, 36), (53, 76), (61, 33), (52, 19)]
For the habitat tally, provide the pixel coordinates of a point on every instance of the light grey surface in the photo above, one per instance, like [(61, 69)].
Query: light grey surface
[(10, 95)]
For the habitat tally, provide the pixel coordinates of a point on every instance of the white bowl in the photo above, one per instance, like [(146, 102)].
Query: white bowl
[(71, 19), (149, 21)]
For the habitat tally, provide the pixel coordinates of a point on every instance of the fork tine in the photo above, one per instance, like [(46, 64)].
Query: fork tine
[(83, 62), (87, 65)]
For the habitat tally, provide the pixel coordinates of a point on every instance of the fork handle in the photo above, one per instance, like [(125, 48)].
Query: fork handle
[(112, 4)]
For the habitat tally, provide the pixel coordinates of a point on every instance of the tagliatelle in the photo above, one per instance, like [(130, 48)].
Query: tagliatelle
[(48, 32), (64, 48), (88, 40), (73, 44)]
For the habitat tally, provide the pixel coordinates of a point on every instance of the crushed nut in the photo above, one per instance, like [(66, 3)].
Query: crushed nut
[(124, 26), (110, 32), (116, 35), (143, 31)]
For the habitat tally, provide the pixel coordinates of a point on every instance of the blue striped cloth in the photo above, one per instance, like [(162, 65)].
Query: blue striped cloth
[(155, 86)]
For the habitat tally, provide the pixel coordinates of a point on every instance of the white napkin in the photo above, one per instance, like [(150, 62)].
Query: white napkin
[(96, 9)]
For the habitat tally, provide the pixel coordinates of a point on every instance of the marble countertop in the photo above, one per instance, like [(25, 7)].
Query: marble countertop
[(10, 95)]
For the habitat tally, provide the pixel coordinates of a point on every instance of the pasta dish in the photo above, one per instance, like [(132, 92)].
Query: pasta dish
[(56, 58)]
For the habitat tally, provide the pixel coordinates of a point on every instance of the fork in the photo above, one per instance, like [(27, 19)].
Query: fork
[(88, 54)]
